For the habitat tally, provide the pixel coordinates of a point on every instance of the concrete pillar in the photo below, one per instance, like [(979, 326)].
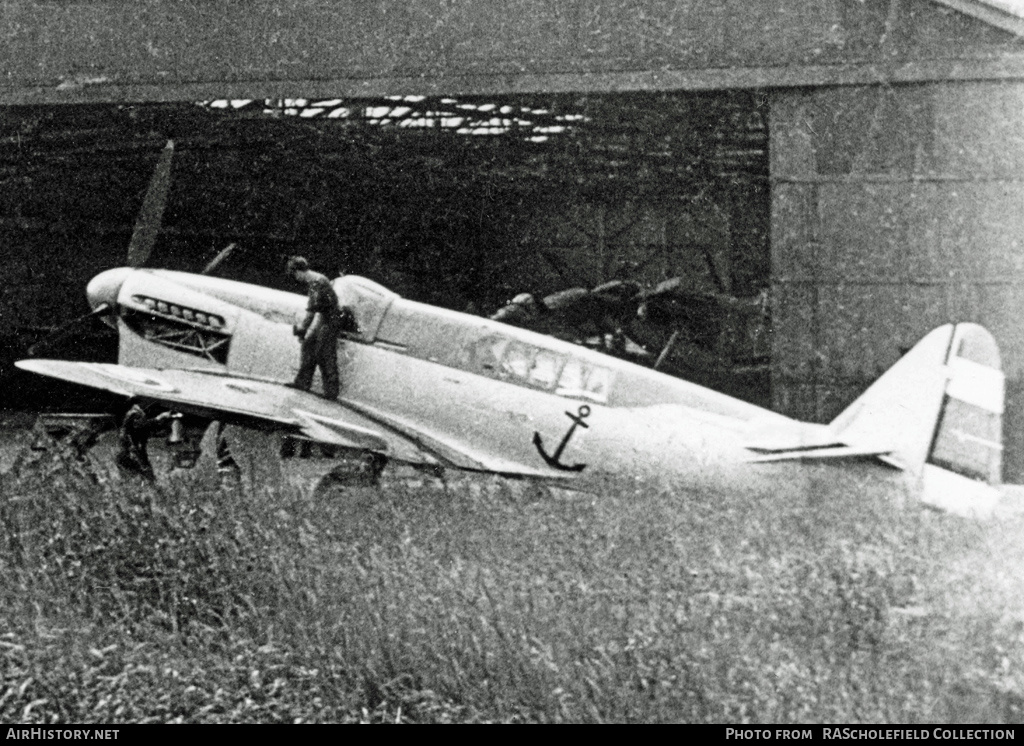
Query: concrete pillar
[(894, 209)]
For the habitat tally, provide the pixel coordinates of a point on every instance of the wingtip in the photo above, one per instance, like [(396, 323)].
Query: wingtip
[(32, 366)]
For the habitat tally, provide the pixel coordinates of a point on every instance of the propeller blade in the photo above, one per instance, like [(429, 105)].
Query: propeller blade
[(63, 330), (219, 259), (147, 225)]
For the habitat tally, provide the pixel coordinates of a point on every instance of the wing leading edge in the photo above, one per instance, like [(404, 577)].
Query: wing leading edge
[(274, 406), (244, 401)]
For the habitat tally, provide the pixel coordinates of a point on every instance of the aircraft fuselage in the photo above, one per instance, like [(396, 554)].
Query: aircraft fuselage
[(568, 412)]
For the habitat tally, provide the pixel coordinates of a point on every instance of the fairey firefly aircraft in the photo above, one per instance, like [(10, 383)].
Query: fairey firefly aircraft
[(435, 388)]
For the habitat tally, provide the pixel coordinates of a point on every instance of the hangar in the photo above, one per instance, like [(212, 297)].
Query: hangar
[(858, 159)]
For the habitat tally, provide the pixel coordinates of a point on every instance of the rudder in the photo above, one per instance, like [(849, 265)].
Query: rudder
[(965, 458), (940, 407)]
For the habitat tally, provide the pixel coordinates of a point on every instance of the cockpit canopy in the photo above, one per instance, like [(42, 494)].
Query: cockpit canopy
[(367, 301)]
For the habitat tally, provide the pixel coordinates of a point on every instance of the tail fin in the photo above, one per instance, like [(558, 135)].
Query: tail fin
[(940, 408)]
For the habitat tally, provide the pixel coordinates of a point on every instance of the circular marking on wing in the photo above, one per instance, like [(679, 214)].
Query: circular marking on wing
[(119, 373)]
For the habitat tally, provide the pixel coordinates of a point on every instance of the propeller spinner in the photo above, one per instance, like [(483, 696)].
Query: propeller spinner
[(103, 289)]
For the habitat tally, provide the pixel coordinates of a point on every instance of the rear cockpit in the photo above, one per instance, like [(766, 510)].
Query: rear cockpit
[(521, 357), (518, 362)]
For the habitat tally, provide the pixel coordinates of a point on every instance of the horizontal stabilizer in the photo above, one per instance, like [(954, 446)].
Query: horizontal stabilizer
[(940, 407), (824, 454), (792, 436)]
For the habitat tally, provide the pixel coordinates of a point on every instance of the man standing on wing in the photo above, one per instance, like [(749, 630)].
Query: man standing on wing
[(318, 332)]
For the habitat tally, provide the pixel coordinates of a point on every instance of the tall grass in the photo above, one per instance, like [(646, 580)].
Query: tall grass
[(483, 600)]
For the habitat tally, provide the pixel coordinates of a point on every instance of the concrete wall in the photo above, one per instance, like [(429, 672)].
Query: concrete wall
[(894, 209)]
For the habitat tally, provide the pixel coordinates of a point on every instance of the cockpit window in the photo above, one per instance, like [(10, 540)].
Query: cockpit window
[(518, 360), (485, 356), (572, 379), (545, 369), (581, 379), (596, 387), (525, 364)]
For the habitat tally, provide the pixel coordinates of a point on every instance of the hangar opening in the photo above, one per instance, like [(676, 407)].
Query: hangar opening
[(462, 203), (539, 192)]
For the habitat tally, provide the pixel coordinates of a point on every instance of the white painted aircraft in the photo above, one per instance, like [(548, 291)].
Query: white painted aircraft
[(435, 388)]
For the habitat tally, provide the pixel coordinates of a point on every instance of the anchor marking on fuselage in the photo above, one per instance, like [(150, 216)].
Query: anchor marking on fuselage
[(554, 460)]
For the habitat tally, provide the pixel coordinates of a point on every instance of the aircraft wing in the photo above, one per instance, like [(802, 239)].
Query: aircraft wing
[(232, 399), (271, 405)]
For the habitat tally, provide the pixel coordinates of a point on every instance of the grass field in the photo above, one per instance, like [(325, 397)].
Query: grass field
[(483, 601)]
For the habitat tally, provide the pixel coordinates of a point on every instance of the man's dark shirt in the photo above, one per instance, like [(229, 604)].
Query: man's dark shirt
[(135, 430), (322, 298)]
